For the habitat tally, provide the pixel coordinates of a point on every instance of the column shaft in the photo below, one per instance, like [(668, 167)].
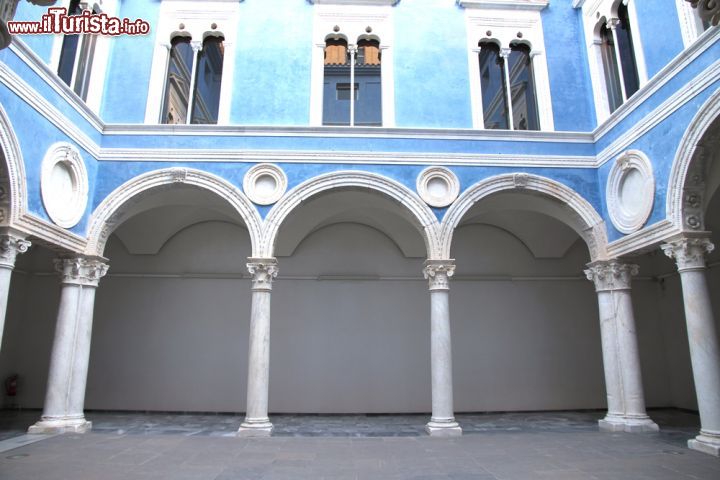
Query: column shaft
[(10, 246)]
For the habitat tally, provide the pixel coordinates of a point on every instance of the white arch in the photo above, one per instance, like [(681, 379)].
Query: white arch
[(590, 226), (15, 170), (422, 214), (708, 113), (110, 213)]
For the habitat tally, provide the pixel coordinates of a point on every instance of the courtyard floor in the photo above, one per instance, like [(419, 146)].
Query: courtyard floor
[(552, 445)]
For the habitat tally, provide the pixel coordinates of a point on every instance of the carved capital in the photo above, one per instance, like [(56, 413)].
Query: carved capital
[(438, 273), (708, 10), (688, 251), (613, 23), (86, 271), (10, 246), (263, 271), (505, 52), (611, 275)]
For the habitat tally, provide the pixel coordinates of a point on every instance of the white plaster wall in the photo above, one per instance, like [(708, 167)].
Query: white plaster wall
[(350, 327)]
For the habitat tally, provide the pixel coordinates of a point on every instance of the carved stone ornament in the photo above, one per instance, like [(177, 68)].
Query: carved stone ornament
[(688, 252), (708, 10), (81, 270), (611, 275), (263, 271), (64, 184), (438, 186), (438, 273), (265, 183), (630, 191), (10, 246)]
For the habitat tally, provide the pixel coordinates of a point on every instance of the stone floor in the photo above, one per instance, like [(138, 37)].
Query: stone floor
[(554, 445)]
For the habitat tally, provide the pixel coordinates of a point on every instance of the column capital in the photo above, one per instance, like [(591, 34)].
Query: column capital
[(263, 271), (196, 46), (611, 275), (689, 251), (438, 273), (505, 52), (612, 23), (10, 246), (86, 271)]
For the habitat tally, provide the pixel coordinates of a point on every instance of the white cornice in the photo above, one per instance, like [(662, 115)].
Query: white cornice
[(361, 3), (643, 240), (505, 4)]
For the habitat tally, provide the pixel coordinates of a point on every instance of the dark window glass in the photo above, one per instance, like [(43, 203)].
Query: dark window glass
[(610, 67), (368, 105), (336, 108), (208, 77), (69, 48), (522, 89), (627, 53), (343, 91), (492, 86), (177, 87)]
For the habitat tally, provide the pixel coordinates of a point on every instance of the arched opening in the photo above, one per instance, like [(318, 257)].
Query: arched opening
[(350, 325), (171, 318)]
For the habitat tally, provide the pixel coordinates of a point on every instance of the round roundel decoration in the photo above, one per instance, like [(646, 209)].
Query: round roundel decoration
[(438, 186), (64, 185), (265, 183), (630, 191)]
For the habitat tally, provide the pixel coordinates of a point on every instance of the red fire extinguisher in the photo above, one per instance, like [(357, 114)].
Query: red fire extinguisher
[(11, 385)]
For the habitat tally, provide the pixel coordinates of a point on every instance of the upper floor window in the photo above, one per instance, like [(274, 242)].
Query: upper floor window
[(76, 55), (194, 76), (617, 66), (352, 71), (352, 83), (509, 82), (192, 73)]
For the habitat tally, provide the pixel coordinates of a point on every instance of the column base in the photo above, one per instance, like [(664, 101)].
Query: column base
[(255, 428), (706, 443), (60, 425), (627, 424), (443, 429)]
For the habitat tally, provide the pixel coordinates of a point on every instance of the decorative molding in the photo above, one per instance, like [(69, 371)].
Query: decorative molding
[(438, 273), (629, 215), (14, 171), (438, 186), (642, 240), (361, 3), (64, 202), (708, 10), (424, 219), (10, 247), (689, 250), (113, 209), (611, 275), (49, 234), (590, 225), (265, 183), (263, 271), (536, 5), (84, 271)]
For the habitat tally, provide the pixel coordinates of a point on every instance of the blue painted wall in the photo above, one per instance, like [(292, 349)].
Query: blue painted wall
[(431, 66), (127, 78), (570, 85), (659, 32), (40, 44)]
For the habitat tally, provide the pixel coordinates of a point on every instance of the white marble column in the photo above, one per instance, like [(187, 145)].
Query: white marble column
[(689, 253), (257, 423), (442, 422), (10, 246), (621, 357), (65, 396)]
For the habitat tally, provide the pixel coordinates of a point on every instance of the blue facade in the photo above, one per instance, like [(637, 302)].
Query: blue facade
[(270, 106)]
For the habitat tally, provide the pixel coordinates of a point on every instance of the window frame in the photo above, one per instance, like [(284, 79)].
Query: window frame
[(98, 67), (504, 24), (197, 19), (353, 21), (594, 15)]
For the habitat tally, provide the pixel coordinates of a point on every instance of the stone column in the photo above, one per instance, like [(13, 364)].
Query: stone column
[(621, 357), (689, 253), (257, 423), (65, 396), (10, 246), (442, 422)]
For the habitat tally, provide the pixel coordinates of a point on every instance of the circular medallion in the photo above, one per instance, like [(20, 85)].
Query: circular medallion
[(438, 186), (630, 191), (64, 185), (265, 183)]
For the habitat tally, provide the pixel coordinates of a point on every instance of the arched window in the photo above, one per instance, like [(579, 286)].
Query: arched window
[(76, 56), (192, 87), (507, 87), (618, 58), (352, 93)]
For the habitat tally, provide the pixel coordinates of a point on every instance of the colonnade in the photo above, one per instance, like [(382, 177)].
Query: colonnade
[(80, 275)]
